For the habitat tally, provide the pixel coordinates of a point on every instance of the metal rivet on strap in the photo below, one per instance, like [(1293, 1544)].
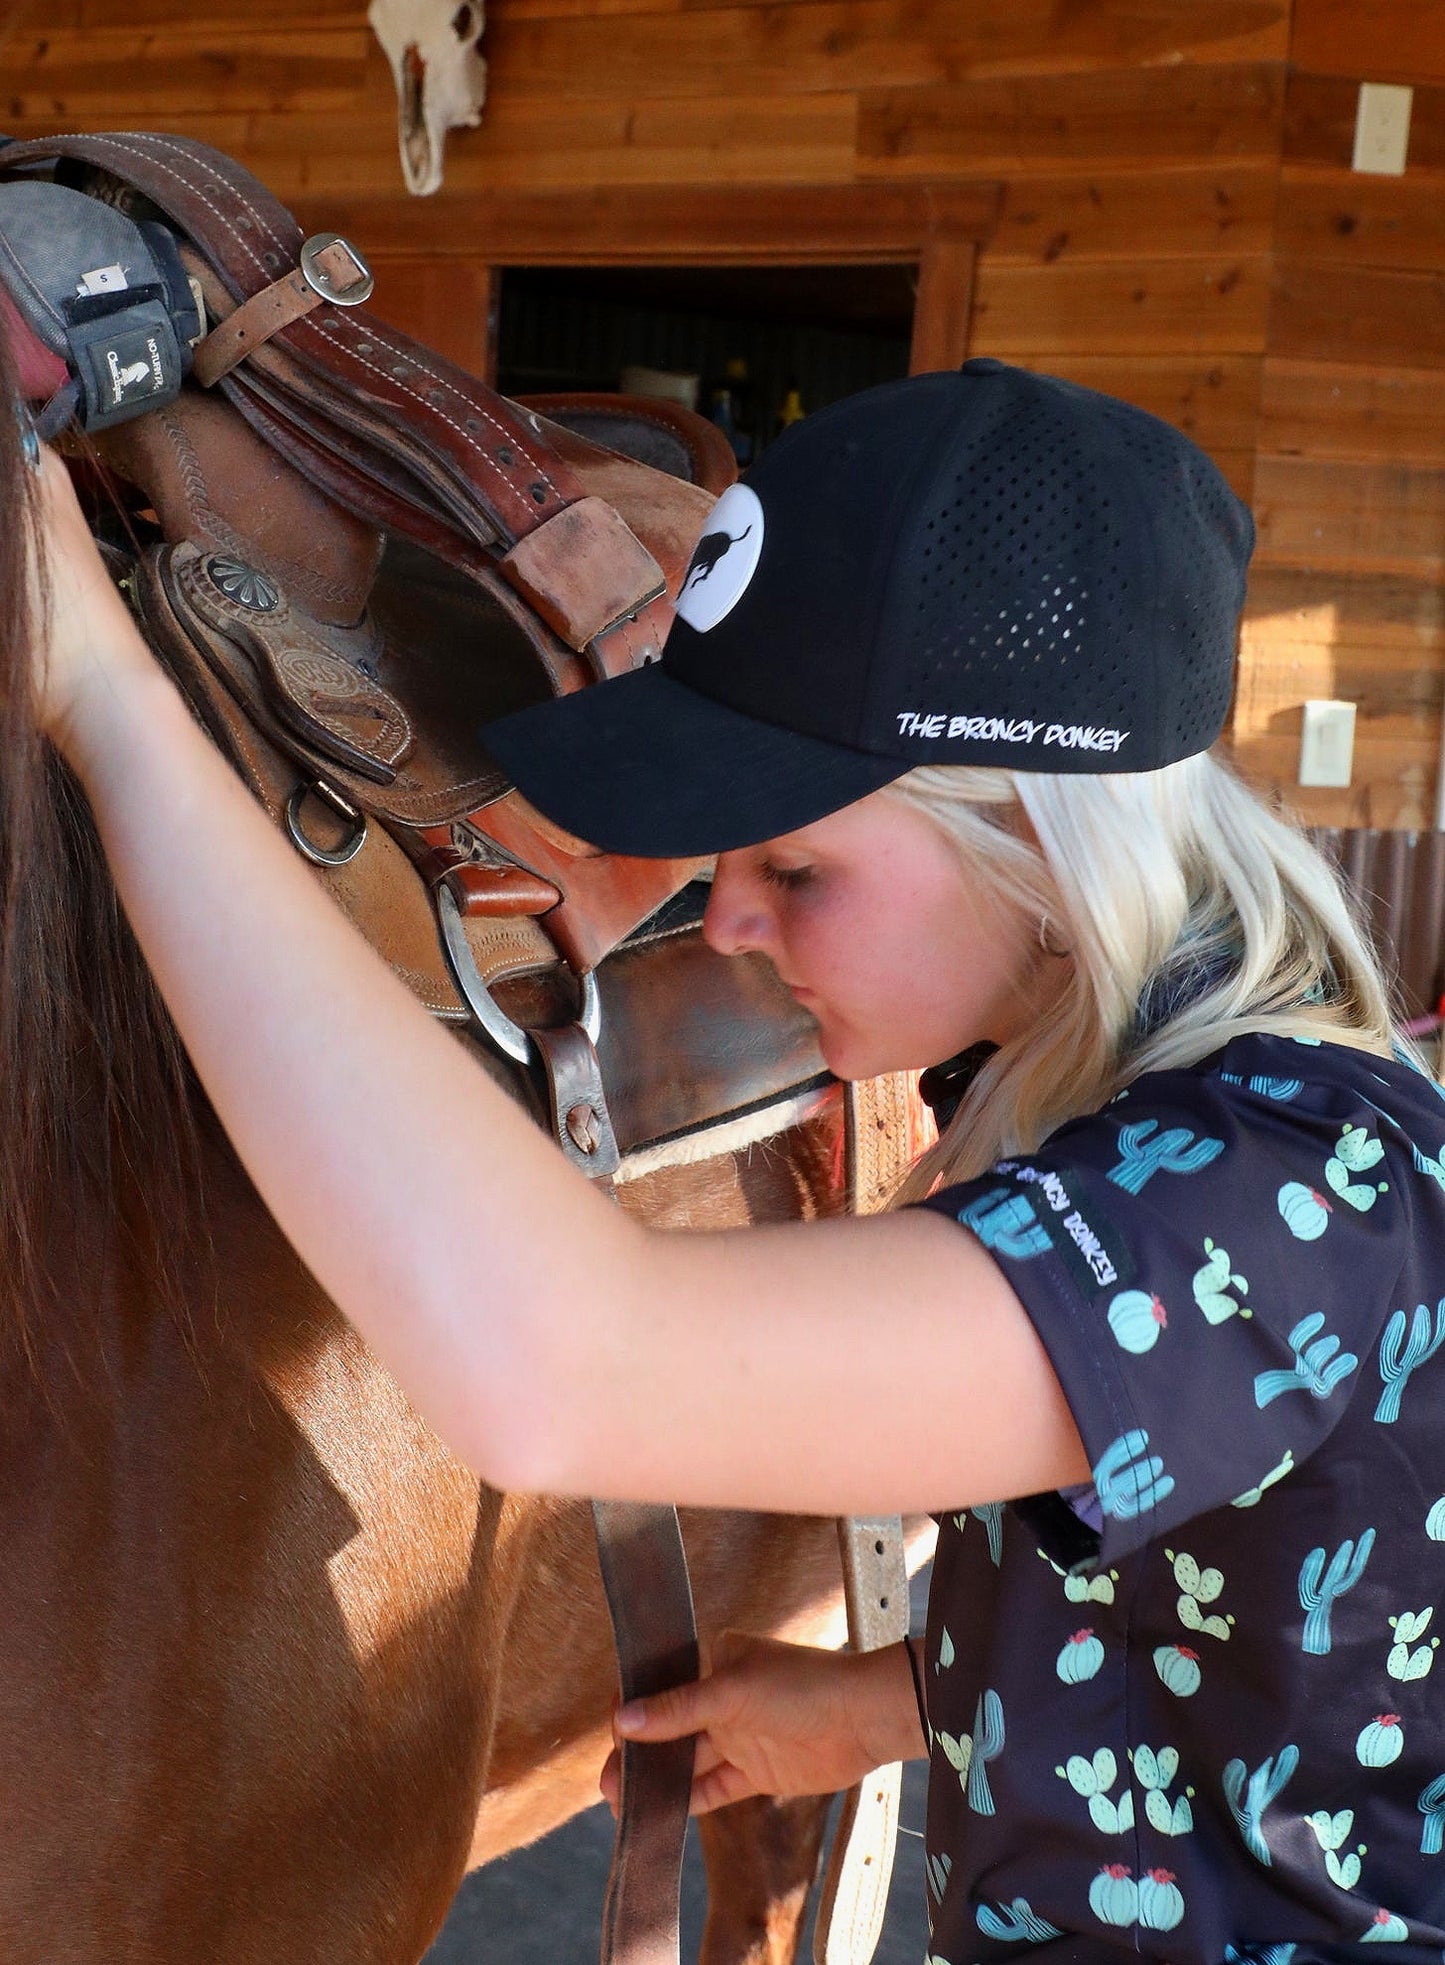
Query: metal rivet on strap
[(582, 1128)]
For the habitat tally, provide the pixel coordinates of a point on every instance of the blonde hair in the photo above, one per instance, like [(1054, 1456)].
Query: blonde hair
[(1192, 914)]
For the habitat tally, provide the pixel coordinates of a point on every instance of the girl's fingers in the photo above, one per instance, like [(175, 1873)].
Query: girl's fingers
[(667, 1715)]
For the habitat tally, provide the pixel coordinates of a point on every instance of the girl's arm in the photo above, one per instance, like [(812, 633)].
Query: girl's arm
[(877, 1366)]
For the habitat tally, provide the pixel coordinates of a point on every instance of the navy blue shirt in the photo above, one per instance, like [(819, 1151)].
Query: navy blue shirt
[(1208, 1726)]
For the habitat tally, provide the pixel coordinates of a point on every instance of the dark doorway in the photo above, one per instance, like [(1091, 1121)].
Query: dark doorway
[(760, 344)]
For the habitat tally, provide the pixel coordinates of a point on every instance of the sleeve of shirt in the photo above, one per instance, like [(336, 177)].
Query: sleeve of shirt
[(1210, 1265)]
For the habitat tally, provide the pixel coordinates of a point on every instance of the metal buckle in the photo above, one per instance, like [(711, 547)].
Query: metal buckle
[(325, 856), (509, 1037), (356, 292)]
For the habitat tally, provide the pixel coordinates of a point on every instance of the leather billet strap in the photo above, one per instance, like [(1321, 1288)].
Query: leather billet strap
[(644, 1572), (330, 269), (435, 443)]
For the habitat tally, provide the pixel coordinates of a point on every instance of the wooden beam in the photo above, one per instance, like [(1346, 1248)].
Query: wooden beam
[(944, 306), (1375, 316), (1319, 125), (647, 225), (1147, 307), (1353, 411), (1113, 214)]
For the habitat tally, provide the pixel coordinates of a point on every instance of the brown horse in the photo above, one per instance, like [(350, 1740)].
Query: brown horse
[(274, 1668)]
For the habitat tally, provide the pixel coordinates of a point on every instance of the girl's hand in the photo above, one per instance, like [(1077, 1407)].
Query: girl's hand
[(779, 1719), (85, 638)]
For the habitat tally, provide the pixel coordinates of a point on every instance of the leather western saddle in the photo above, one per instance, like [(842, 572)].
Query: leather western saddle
[(352, 554)]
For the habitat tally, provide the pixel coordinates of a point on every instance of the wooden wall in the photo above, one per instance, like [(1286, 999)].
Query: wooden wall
[(1161, 187)]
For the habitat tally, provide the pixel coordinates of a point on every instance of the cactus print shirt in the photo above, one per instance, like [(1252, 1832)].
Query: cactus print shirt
[(1194, 1712)]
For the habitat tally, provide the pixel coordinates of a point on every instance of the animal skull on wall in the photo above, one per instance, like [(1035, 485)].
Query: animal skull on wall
[(441, 79)]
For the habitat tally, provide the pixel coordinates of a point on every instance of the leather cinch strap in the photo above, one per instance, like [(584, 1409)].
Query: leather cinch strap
[(644, 1572)]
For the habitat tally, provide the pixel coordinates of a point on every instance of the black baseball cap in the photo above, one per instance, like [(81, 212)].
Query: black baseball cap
[(986, 566)]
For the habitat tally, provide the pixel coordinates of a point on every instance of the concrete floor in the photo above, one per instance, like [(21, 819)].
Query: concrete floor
[(543, 1905)]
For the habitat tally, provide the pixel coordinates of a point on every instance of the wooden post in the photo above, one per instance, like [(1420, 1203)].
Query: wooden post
[(944, 306)]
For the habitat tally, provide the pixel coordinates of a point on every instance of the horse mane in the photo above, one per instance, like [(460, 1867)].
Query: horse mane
[(99, 1140)]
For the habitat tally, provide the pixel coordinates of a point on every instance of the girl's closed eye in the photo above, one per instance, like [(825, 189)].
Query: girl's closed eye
[(788, 878)]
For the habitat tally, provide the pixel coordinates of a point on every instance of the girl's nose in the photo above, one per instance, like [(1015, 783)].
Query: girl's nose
[(734, 921)]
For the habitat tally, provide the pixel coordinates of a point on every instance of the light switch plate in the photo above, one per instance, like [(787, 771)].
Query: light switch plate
[(1382, 129), (1327, 744)]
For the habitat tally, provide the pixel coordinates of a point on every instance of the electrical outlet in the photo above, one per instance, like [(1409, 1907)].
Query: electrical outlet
[(1327, 744), (1382, 129)]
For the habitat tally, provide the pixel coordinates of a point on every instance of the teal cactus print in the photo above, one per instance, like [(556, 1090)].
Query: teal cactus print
[(1114, 1896), (1306, 1213), (1432, 1806), (988, 1743), (1424, 1164), (1435, 1521), (1080, 1658), (1330, 1833), (1005, 1223), (1093, 1779), (1282, 1089), (1316, 1368), (1154, 1772), (990, 1513), (1084, 1589), (1381, 1742), (1387, 1929), (1319, 1587), (1178, 1669), (958, 1753), (1213, 1282), (1130, 1480), (946, 1653), (1403, 1663), (1250, 1794), (1136, 1319), (1252, 1496), (1015, 1923), (1161, 1905), (1142, 1154), (939, 1869), (1357, 1152), (1198, 1586), (1260, 1955), (1400, 1355)]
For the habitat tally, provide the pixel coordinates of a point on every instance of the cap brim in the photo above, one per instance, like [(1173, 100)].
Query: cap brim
[(646, 766)]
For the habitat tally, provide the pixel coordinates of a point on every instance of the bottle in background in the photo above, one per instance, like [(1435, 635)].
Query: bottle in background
[(792, 410)]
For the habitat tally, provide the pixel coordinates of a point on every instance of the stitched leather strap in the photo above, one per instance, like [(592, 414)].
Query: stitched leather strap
[(272, 309), (644, 1572), (401, 435)]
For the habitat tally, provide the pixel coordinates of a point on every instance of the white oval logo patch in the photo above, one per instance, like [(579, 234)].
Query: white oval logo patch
[(724, 561)]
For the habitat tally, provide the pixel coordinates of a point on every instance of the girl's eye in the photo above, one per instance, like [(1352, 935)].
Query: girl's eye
[(789, 878)]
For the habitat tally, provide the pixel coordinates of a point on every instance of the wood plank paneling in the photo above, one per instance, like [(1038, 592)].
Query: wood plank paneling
[(1348, 410), (1096, 122), (1376, 316), (1351, 220), (852, 44), (1168, 306), (1382, 517), (1190, 214), (59, 79), (1372, 40)]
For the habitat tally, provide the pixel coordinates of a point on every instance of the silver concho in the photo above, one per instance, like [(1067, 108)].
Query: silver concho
[(243, 585)]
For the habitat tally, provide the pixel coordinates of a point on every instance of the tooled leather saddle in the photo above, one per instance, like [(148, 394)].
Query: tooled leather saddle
[(353, 554)]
